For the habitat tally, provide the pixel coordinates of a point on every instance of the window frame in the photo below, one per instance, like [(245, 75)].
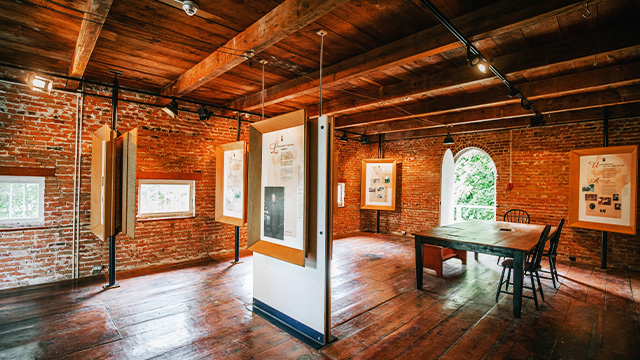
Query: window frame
[(40, 180), (191, 213)]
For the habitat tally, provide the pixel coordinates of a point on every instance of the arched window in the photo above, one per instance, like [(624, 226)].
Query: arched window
[(468, 189)]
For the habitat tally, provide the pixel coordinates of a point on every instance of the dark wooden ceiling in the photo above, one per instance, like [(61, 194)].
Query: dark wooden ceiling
[(389, 66)]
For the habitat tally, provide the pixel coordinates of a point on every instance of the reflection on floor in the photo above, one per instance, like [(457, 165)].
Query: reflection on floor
[(201, 311)]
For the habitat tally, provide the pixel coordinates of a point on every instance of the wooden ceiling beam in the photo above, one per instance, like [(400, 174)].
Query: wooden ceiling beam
[(484, 23), (609, 97), (94, 17), (287, 18), (597, 79), (610, 42), (559, 118)]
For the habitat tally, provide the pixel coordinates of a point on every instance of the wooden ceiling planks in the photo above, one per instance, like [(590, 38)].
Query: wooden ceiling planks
[(370, 67)]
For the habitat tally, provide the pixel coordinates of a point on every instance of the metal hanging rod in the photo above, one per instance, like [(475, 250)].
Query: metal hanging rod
[(127, 89)]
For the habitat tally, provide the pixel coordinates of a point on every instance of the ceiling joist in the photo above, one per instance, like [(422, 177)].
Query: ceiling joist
[(94, 18), (285, 19)]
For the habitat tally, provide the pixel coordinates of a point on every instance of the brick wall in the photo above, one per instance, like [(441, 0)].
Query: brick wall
[(38, 130), (540, 160)]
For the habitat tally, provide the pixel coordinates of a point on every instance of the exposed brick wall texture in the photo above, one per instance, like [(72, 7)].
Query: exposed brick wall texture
[(540, 162), (38, 130)]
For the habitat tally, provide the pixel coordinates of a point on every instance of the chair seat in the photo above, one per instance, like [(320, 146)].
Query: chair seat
[(508, 263)]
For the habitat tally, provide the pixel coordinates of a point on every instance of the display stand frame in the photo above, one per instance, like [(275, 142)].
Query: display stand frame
[(220, 171)]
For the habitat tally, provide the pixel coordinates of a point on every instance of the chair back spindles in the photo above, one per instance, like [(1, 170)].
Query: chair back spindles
[(553, 242), (542, 241), (517, 216)]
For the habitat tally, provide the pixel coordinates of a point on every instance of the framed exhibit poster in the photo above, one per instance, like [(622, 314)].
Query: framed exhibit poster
[(603, 189), (231, 183), (125, 181), (277, 187), (378, 185), (103, 153)]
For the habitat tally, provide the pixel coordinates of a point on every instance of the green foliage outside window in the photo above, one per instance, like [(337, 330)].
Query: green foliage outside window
[(475, 185)]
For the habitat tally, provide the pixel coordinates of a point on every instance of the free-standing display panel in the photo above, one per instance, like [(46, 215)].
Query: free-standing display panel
[(603, 189), (231, 183), (378, 184), (126, 149), (103, 153), (277, 187)]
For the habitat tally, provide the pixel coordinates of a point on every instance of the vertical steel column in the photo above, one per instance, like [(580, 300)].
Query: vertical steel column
[(379, 157), (112, 237), (237, 229), (605, 133)]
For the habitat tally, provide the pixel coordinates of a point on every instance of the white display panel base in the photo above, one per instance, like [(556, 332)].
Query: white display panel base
[(295, 298)]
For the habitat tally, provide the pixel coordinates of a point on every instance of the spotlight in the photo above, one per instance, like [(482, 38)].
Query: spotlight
[(477, 61), (448, 140), (344, 137), (190, 7), (536, 120), (511, 91), (525, 104), (364, 140), (38, 83), (204, 114), (171, 109)]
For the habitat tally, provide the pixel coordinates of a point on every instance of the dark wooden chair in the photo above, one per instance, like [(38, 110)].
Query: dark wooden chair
[(515, 216), (551, 254), (531, 268)]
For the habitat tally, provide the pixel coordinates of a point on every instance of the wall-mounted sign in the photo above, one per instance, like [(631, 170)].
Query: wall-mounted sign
[(231, 183), (603, 189), (378, 184)]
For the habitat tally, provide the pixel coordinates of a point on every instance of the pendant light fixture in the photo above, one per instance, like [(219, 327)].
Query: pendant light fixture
[(448, 140)]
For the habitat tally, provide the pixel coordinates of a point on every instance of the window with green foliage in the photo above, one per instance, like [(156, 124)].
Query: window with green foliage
[(475, 186), (166, 199), (21, 200)]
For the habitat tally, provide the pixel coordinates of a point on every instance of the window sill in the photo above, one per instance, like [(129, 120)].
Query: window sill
[(144, 219)]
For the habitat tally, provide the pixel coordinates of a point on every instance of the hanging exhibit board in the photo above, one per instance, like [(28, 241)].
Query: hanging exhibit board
[(298, 298), (277, 188), (231, 183), (125, 210), (603, 189), (103, 153), (378, 184)]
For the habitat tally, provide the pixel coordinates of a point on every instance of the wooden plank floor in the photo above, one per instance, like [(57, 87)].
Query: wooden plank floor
[(202, 311)]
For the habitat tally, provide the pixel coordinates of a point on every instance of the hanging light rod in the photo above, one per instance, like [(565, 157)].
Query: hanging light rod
[(59, 76), (473, 54)]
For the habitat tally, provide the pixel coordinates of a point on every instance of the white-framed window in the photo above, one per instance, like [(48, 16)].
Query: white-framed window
[(341, 189), (166, 199), (21, 200)]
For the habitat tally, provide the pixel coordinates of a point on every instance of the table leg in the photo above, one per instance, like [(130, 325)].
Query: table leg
[(419, 261), (518, 276)]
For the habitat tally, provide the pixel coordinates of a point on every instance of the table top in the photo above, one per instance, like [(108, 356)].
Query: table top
[(492, 234)]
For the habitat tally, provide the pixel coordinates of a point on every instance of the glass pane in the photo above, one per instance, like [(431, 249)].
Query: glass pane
[(4, 201), (17, 200), (32, 200), (164, 198)]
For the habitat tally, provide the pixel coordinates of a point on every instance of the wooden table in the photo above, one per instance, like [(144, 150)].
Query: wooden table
[(489, 237)]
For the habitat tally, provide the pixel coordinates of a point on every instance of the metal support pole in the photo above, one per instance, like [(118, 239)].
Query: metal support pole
[(112, 238), (379, 157), (605, 133), (237, 229)]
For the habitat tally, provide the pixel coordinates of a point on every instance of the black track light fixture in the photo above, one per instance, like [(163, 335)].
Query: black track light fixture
[(536, 120), (476, 60), (512, 91), (344, 137), (525, 104), (171, 109), (204, 113), (448, 140), (364, 140)]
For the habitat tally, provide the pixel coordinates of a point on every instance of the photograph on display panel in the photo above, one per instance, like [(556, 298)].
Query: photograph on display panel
[(603, 189), (378, 184)]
